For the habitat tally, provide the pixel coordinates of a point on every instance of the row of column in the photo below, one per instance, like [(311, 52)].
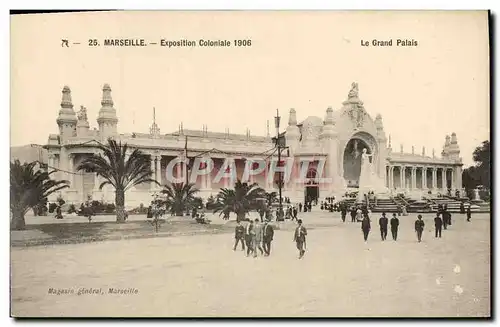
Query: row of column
[(181, 171), (413, 177), (206, 182)]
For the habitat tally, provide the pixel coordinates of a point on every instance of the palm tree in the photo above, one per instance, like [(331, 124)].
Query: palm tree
[(180, 197), (240, 200), (29, 188), (271, 197), (119, 171)]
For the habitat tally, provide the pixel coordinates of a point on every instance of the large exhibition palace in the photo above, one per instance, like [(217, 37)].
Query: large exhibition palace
[(331, 147)]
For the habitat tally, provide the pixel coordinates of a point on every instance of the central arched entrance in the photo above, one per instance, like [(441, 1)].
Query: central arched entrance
[(352, 160), (311, 187)]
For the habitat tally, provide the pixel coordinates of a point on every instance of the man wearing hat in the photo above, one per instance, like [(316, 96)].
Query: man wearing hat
[(419, 227), (383, 222), (394, 226), (300, 238), (249, 235), (438, 224), (239, 236), (267, 237), (257, 238)]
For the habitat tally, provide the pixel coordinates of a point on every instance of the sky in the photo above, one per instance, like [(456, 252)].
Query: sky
[(301, 60)]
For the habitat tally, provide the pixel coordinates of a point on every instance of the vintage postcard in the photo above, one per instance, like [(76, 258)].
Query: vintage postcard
[(250, 164)]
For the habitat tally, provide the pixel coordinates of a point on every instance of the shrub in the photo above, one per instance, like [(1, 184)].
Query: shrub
[(109, 208), (52, 207), (60, 201), (140, 210), (71, 208)]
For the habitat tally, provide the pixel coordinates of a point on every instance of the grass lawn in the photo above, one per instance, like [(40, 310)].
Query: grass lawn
[(82, 232)]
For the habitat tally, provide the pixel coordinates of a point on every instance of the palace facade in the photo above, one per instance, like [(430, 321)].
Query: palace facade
[(334, 143)]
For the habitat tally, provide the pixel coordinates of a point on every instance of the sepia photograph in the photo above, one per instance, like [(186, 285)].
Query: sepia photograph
[(250, 164)]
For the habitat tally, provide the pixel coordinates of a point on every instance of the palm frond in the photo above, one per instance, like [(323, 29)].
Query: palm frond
[(30, 187), (179, 197), (240, 200), (118, 169)]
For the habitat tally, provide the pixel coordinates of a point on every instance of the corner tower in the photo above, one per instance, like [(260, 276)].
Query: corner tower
[(67, 116), (107, 119)]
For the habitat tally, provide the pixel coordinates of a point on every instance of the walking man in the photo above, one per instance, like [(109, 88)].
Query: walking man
[(469, 213), (394, 226), (300, 207), (300, 238), (239, 236), (383, 222), (438, 224), (444, 217), (257, 238), (353, 214), (448, 215), (343, 211), (365, 227), (249, 233), (267, 237), (419, 227)]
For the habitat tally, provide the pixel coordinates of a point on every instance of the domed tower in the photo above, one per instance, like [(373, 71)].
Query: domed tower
[(453, 148), (107, 119), (67, 116), (446, 146), (292, 134)]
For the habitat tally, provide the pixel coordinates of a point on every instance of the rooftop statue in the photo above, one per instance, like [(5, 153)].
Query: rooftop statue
[(353, 93), (82, 114)]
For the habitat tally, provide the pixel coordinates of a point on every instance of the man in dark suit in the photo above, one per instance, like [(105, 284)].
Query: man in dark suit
[(365, 227), (353, 214), (299, 238), (469, 213), (438, 224), (462, 207), (383, 222), (239, 236), (268, 234), (394, 226), (343, 211), (249, 236), (419, 227), (444, 216), (448, 214)]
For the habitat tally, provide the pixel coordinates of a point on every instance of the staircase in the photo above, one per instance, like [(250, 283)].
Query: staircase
[(453, 204), (350, 202), (385, 205)]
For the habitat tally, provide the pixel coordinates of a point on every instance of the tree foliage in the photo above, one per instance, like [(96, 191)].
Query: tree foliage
[(179, 197), (120, 168), (480, 172), (29, 188), (240, 200)]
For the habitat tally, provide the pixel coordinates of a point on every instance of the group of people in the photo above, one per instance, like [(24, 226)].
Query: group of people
[(254, 236), (257, 237), (383, 224), (442, 220)]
